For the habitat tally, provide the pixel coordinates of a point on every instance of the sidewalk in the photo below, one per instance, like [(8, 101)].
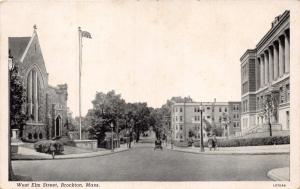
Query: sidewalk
[(280, 174), (244, 150), (25, 153)]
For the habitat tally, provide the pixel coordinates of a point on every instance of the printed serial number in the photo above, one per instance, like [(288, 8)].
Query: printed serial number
[(279, 185)]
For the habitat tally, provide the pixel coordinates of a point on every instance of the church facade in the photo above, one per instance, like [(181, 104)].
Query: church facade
[(46, 106)]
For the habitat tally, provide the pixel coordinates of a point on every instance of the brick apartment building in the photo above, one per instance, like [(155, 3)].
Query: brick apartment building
[(265, 74), (46, 106), (186, 118)]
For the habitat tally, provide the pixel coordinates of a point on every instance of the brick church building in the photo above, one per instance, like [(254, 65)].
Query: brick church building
[(46, 106)]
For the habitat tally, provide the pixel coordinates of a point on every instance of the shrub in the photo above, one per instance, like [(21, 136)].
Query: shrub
[(182, 144), (275, 140), (67, 142), (43, 146)]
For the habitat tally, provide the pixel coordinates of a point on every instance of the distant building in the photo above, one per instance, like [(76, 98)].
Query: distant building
[(186, 119), (265, 74), (46, 106)]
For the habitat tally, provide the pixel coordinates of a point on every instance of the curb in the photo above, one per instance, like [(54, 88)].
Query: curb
[(272, 175), (231, 153), (88, 155)]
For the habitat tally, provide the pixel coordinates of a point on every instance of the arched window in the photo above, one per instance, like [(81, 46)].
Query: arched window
[(40, 136), (35, 135), (33, 87), (29, 136)]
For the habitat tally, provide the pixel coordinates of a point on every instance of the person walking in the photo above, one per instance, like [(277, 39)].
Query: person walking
[(215, 144)]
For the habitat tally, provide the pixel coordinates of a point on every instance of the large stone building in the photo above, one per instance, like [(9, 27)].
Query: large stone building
[(46, 106), (186, 118), (265, 75)]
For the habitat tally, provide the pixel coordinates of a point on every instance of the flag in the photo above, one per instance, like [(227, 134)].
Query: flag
[(86, 34)]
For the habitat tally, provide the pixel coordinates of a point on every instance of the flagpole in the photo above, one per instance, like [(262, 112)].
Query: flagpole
[(80, 63)]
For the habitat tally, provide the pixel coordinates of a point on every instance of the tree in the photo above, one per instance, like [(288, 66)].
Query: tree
[(270, 109), (139, 114), (107, 108), (18, 116)]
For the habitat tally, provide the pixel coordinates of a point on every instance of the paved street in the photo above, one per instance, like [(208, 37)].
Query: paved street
[(142, 163)]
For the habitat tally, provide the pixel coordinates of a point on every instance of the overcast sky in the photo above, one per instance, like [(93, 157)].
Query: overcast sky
[(146, 50)]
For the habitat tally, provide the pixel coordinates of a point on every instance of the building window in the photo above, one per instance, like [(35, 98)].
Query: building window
[(220, 109), (237, 124), (180, 109), (180, 118), (176, 109), (208, 108), (225, 109), (176, 127), (208, 117), (234, 124), (180, 127), (281, 95), (287, 92)]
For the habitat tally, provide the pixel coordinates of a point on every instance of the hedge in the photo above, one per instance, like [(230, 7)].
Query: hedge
[(182, 143), (275, 140), (43, 146)]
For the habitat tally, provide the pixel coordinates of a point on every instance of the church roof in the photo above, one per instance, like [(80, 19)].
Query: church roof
[(17, 46)]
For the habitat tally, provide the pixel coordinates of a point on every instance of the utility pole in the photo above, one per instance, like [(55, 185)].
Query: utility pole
[(201, 127), (80, 35), (80, 63)]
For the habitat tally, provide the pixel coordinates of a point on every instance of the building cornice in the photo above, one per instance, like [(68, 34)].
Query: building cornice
[(248, 53), (281, 20)]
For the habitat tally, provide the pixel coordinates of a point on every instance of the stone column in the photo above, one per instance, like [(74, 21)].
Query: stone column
[(276, 62), (258, 73), (262, 71), (266, 68), (281, 56), (35, 97), (271, 75), (29, 88), (287, 52)]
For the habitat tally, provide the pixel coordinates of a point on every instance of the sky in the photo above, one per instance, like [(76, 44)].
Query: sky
[(147, 50)]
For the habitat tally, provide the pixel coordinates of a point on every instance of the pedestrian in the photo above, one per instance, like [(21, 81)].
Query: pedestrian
[(209, 142), (134, 137), (215, 144), (130, 139), (52, 148), (127, 138)]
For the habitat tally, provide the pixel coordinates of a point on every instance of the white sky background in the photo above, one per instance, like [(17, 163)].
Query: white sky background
[(146, 50)]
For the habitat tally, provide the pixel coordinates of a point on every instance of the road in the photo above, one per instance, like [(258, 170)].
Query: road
[(142, 163)]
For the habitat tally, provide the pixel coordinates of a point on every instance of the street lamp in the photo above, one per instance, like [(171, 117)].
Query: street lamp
[(171, 137), (112, 136), (10, 67), (201, 127)]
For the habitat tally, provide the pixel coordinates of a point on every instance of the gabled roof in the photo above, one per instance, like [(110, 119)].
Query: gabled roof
[(17, 46)]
